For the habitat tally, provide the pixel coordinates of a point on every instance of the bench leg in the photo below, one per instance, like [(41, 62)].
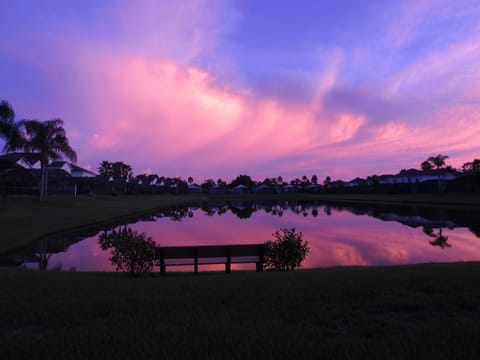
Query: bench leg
[(162, 267), (195, 265), (228, 265)]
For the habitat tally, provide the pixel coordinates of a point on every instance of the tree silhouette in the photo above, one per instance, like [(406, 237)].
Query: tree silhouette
[(105, 169), (242, 180), (10, 130), (437, 162), (439, 239), (471, 166), (132, 252), (327, 181), (287, 251), (115, 171), (426, 166), (49, 140)]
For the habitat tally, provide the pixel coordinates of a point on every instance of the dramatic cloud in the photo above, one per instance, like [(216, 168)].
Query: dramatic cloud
[(216, 88)]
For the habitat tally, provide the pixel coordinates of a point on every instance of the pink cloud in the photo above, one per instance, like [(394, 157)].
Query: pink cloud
[(139, 96)]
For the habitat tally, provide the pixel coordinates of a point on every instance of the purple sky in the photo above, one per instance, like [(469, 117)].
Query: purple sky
[(266, 88)]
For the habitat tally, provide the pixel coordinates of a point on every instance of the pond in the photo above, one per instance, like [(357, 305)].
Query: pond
[(338, 234)]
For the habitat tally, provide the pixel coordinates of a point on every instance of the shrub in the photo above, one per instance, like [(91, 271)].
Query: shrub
[(132, 252), (287, 251)]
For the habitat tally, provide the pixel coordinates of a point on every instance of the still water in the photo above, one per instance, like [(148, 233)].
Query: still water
[(338, 234)]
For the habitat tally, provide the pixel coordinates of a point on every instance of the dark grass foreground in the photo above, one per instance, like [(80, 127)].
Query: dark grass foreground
[(408, 312)]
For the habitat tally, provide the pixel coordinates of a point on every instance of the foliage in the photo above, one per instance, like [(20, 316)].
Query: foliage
[(115, 170), (242, 180), (6, 111), (208, 184), (426, 166), (10, 130), (471, 166), (132, 252), (49, 140), (287, 251), (327, 181), (434, 162), (440, 240)]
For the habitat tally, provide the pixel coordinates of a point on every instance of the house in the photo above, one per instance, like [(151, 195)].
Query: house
[(194, 188), (24, 160), (240, 189), (217, 189), (356, 182), (289, 188), (417, 176), (264, 189), (71, 169), (21, 172)]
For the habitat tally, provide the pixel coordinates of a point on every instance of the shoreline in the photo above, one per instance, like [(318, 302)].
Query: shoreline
[(64, 214)]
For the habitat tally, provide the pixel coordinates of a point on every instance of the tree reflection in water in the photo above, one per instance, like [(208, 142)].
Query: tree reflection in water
[(438, 238), (431, 220)]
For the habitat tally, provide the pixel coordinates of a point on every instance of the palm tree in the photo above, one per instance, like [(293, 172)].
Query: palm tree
[(49, 140), (105, 169), (10, 130), (434, 161)]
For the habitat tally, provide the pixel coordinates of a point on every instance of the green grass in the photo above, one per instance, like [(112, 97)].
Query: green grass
[(24, 219), (409, 312)]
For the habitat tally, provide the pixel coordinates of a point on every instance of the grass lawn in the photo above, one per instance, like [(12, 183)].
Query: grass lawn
[(410, 312), (25, 218)]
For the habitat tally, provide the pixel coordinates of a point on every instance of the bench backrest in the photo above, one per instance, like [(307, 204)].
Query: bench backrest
[(209, 251)]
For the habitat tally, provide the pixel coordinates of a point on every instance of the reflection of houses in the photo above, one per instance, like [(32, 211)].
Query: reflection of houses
[(21, 172), (416, 220)]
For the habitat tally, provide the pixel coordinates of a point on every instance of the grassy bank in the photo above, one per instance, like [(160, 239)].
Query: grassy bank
[(410, 312), (463, 200), (24, 219)]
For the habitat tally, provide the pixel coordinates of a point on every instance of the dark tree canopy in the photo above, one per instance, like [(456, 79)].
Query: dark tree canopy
[(132, 252), (287, 251), (10, 130), (49, 140), (242, 180), (434, 162), (115, 170), (471, 166)]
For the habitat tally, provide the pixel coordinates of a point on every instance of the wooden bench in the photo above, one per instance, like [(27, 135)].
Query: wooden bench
[(215, 254)]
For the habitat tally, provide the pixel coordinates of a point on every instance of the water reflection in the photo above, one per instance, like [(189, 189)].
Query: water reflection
[(438, 238), (339, 234)]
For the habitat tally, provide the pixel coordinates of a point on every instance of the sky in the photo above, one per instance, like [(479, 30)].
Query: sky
[(218, 88)]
